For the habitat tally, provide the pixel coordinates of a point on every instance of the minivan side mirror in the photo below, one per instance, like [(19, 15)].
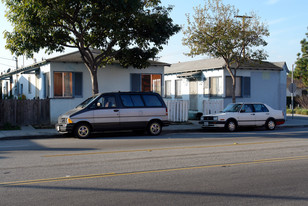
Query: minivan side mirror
[(98, 104)]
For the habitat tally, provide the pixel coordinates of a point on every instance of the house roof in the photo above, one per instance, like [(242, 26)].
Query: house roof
[(76, 57), (219, 63), (73, 57)]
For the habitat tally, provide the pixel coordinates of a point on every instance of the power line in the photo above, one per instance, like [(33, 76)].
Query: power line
[(7, 65), (7, 58)]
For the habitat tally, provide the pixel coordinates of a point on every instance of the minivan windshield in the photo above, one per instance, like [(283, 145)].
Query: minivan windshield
[(87, 102), (233, 108)]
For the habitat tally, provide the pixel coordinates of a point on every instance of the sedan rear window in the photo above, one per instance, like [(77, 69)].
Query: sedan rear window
[(260, 108)]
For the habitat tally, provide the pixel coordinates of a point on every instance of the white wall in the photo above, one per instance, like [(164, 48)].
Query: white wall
[(266, 86), (185, 86), (23, 81), (112, 78)]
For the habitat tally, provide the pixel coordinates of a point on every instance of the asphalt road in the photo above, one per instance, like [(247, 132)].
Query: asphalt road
[(208, 168)]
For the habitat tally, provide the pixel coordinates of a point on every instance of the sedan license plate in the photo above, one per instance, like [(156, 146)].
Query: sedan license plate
[(205, 124)]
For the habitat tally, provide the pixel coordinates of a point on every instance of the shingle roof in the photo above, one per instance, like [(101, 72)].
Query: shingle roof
[(70, 57), (219, 63), (197, 65), (76, 57)]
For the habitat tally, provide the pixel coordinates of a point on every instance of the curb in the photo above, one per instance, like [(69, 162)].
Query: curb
[(292, 126), (31, 137), (163, 132)]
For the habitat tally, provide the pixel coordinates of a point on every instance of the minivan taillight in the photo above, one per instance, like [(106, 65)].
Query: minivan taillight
[(167, 111)]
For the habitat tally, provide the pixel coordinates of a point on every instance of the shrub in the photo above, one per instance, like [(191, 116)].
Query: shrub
[(22, 97), (298, 111), (305, 111), (8, 126)]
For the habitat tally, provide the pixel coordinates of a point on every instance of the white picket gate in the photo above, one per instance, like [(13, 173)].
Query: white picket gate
[(213, 106), (177, 110)]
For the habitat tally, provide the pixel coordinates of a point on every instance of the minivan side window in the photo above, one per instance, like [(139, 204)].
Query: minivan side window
[(151, 100), (137, 101), (107, 101), (132, 100)]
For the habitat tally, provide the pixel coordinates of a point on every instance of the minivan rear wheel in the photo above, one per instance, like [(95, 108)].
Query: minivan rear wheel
[(154, 128), (82, 130)]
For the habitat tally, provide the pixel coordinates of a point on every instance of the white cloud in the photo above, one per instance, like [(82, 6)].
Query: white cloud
[(277, 21), (271, 2)]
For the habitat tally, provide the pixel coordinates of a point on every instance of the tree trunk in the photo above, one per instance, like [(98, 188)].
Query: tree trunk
[(94, 82), (233, 77), (93, 73), (233, 88)]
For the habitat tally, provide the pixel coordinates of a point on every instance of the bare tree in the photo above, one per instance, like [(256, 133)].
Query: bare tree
[(216, 30)]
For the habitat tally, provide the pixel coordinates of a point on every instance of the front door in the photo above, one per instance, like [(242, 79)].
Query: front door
[(193, 95), (106, 114), (247, 116)]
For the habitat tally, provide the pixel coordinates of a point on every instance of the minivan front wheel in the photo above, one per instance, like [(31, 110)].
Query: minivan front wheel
[(82, 131), (154, 128)]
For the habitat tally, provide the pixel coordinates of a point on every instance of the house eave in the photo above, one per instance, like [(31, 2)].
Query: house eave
[(24, 70), (75, 57)]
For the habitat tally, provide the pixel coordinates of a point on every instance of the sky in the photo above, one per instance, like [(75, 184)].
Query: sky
[(287, 23)]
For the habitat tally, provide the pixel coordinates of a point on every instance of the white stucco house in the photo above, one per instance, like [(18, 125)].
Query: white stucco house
[(66, 81), (207, 84)]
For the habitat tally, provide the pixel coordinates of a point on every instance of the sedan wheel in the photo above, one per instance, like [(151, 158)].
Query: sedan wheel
[(231, 126), (270, 124)]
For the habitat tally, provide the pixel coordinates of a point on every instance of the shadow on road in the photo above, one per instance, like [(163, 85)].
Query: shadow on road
[(166, 192), (31, 145)]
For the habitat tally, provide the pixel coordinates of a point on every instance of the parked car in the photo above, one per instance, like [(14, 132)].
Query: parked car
[(138, 111), (244, 114)]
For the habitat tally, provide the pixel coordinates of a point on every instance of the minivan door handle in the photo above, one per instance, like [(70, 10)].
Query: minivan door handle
[(115, 110)]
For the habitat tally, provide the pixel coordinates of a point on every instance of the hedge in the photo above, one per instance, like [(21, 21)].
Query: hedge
[(298, 111)]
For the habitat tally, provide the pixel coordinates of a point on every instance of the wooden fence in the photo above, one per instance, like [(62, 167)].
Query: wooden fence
[(177, 110), (25, 112)]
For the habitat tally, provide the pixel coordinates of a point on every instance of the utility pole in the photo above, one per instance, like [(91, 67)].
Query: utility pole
[(292, 92), (16, 60), (243, 25)]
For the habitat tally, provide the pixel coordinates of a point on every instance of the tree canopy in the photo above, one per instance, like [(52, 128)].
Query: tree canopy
[(129, 31), (215, 30), (301, 69)]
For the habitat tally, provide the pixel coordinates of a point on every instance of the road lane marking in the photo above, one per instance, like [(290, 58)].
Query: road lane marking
[(161, 149), (103, 175), (56, 179)]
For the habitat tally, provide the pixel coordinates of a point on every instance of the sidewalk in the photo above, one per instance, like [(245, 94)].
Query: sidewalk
[(28, 132)]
